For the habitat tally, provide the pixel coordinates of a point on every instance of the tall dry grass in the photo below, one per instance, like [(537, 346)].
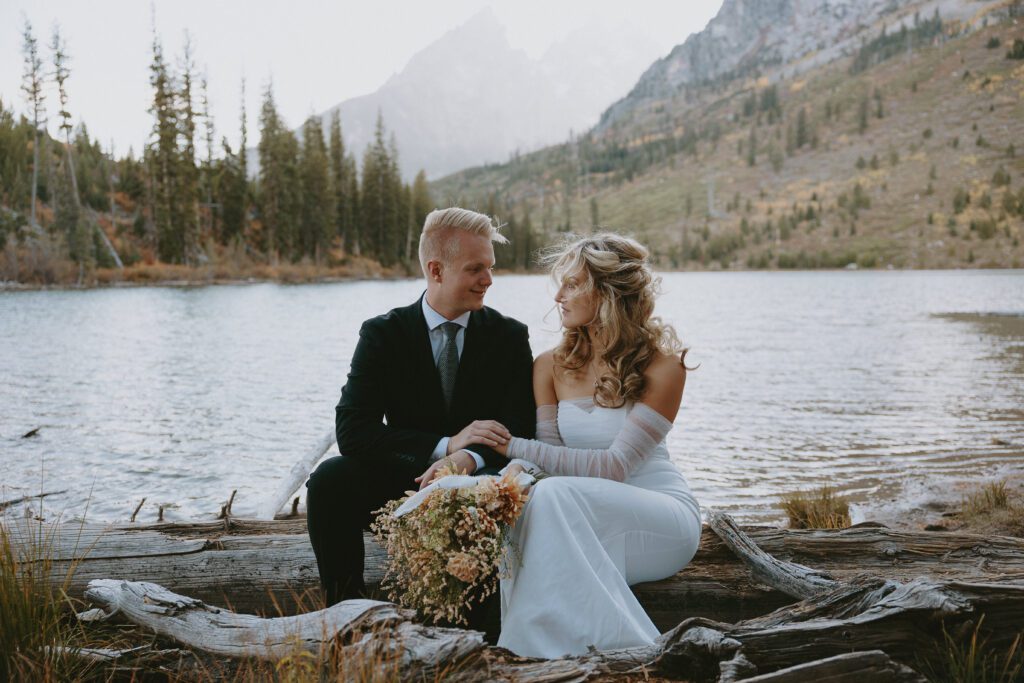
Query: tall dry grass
[(970, 659), (821, 509), (38, 634), (993, 508)]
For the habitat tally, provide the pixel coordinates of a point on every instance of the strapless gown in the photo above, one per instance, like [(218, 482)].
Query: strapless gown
[(581, 542)]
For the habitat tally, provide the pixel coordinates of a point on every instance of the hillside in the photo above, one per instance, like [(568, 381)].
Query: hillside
[(902, 149)]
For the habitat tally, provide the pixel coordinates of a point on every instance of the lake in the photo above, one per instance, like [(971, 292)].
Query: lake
[(881, 384)]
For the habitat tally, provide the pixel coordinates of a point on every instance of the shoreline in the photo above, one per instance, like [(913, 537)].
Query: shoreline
[(299, 274)]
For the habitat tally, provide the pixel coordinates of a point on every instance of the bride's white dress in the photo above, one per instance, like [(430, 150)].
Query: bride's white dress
[(583, 540)]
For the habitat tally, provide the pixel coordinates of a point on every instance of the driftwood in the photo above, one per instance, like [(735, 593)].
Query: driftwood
[(267, 567), (297, 475), (886, 624), (24, 499)]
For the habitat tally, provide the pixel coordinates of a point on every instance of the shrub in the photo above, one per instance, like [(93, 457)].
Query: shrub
[(927, 134), (1000, 177), (1017, 51), (993, 43), (820, 509), (960, 200)]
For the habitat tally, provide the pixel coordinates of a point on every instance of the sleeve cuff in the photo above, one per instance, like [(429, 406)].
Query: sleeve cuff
[(441, 449), (477, 459)]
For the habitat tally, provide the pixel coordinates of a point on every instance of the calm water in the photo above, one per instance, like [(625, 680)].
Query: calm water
[(872, 381)]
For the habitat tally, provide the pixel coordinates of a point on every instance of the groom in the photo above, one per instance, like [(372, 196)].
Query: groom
[(426, 381)]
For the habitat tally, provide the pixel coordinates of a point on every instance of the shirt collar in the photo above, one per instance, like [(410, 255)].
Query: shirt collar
[(435, 319)]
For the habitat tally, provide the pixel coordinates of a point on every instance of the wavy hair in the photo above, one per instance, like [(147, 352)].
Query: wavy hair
[(616, 269)]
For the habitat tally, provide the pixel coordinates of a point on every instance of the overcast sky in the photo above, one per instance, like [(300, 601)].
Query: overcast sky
[(318, 53)]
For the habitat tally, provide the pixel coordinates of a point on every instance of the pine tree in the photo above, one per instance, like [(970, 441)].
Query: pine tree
[(339, 182), (206, 175), (32, 86), (317, 226), (802, 136), (162, 160), (187, 200), (420, 205), (229, 189), (272, 180), (751, 148), (355, 211), (526, 237)]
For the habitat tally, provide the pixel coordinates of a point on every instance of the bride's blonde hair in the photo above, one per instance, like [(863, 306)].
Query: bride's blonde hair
[(616, 269)]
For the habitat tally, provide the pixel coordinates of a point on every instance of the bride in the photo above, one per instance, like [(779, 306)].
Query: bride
[(619, 512)]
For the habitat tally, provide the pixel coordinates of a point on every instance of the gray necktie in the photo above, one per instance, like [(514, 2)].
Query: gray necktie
[(448, 364)]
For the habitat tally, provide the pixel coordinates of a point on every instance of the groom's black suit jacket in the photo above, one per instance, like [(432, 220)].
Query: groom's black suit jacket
[(393, 378)]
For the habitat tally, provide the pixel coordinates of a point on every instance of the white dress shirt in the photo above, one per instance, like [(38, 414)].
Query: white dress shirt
[(437, 341)]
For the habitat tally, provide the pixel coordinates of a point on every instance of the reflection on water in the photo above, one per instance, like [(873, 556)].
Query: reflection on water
[(868, 381)]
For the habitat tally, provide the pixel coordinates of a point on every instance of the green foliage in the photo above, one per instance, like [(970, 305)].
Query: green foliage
[(317, 226), (986, 228), (993, 43), (1000, 178), (961, 198), (1017, 50)]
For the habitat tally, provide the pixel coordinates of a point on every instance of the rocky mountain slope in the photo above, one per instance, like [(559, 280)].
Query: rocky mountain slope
[(801, 133)]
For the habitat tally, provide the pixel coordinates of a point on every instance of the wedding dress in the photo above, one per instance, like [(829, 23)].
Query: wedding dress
[(620, 514)]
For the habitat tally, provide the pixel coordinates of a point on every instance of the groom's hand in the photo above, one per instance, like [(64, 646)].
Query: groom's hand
[(462, 461), (485, 432)]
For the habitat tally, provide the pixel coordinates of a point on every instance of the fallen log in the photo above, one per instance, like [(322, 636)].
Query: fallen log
[(885, 623), (267, 567)]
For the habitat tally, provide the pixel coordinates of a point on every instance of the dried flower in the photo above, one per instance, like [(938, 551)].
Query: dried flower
[(445, 554)]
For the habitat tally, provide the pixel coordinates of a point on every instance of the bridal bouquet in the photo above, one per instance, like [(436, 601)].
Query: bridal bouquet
[(445, 544)]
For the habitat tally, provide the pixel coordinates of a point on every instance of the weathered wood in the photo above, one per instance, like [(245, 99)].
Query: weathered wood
[(789, 577), (855, 667), (903, 620), (14, 501), (267, 567), (899, 620), (296, 476), (212, 629)]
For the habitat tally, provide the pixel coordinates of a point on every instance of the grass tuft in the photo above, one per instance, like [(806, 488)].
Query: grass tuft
[(970, 659), (993, 508), (820, 509), (37, 634)]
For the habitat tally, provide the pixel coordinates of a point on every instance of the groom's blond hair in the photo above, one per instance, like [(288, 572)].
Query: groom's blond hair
[(435, 240)]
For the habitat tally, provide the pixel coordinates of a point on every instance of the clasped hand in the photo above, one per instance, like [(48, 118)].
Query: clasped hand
[(490, 433)]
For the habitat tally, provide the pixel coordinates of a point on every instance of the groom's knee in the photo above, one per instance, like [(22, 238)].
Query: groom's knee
[(335, 479)]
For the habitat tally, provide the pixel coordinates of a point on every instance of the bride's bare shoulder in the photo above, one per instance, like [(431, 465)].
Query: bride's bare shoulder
[(544, 361), (667, 371)]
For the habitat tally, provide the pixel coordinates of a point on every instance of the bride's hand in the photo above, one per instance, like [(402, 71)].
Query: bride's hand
[(514, 469), (484, 432)]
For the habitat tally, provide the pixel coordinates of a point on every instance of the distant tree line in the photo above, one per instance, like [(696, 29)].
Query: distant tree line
[(186, 196)]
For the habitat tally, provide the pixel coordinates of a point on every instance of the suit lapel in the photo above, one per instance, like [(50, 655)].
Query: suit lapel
[(419, 350), (474, 352)]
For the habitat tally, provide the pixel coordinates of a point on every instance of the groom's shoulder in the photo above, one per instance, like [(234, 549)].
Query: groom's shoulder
[(394, 319)]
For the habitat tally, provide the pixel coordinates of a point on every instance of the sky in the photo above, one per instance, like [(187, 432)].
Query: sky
[(317, 54)]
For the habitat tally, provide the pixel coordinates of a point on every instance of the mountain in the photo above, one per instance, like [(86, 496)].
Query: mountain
[(799, 133), (784, 36), (470, 98)]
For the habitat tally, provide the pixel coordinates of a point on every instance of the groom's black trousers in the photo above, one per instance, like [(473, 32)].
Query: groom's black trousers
[(343, 493)]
